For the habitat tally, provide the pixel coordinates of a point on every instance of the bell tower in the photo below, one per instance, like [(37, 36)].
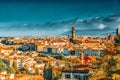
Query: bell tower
[(118, 32), (73, 33)]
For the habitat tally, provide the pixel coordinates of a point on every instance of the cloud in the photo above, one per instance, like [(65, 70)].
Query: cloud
[(86, 26), (101, 26)]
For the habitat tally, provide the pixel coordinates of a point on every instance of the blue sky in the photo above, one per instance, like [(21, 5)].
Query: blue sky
[(17, 13), (41, 11)]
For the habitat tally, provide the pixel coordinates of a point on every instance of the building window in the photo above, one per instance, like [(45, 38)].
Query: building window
[(85, 78), (67, 75), (76, 76)]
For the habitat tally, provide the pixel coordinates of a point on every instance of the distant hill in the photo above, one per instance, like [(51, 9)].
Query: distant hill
[(90, 33)]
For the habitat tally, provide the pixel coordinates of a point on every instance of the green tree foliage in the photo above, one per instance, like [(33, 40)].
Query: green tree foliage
[(55, 76), (14, 65), (4, 67), (42, 55), (63, 57), (27, 71), (106, 66), (47, 71), (68, 65), (106, 79), (60, 57), (37, 70)]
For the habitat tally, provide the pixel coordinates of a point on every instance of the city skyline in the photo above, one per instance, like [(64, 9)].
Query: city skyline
[(41, 17)]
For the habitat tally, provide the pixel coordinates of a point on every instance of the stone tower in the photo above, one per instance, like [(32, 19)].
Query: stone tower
[(118, 32), (73, 33)]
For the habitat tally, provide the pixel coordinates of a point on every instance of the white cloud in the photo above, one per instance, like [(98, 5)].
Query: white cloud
[(25, 24), (101, 26)]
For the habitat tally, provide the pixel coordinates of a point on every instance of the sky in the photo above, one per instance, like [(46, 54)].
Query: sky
[(41, 17)]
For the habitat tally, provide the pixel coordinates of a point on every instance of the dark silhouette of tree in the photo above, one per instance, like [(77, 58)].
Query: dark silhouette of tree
[(47, 71)]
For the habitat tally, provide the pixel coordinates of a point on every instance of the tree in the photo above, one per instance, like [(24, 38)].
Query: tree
[(50, 72), (55, 76), (4, 67), (106, 66), (111, 50), (111, 66), (47, 71), (37, 70), (14, 65), (63, 57)]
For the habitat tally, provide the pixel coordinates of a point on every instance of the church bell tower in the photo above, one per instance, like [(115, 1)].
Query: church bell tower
[(73, 33)]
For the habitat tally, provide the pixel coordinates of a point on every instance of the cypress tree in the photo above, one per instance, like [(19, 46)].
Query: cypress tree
[(45, 74), (15, 67), (47, 71), (36, 70), (50, 72)]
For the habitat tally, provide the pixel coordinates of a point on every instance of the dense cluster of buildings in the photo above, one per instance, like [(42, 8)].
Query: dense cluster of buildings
[(25, 50)]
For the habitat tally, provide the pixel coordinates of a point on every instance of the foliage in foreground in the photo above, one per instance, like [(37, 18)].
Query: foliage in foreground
[(107, 67)]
